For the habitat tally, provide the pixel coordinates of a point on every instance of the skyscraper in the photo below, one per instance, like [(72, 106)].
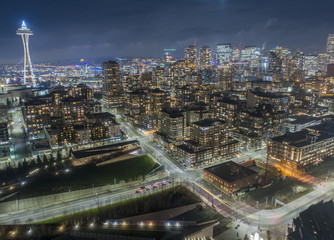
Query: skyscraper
[(251, 54), (323, 60), (25, 32), (111, 84), (190, 53), (205, 56), (168, 55), (224, 53), (235, 55), (310, 64), (225, 77), (330, 45)]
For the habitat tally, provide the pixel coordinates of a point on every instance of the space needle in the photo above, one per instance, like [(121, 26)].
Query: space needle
[(27, 72)]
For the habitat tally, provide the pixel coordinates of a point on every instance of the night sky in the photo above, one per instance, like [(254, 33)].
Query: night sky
[(65, 29)]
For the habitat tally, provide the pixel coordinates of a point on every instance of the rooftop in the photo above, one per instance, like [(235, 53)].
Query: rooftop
[(303, 119), (208, 122), (302, 138), (230, 171), (101, 150), (189, 150), (72, 99), (173, 113), (325, 127), (267, 94), (230, 101), (316, 222), (35, 102), (102, 115), (157, 90)]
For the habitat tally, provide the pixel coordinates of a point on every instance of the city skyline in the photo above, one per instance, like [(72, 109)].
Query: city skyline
[(145, 29), (170, 119)]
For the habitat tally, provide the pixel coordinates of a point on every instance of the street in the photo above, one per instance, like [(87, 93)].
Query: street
[(239, 212)]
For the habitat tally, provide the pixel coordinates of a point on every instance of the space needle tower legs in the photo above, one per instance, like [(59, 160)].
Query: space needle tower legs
[(28, 73)]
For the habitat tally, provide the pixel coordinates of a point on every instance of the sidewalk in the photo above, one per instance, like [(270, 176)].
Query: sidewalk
[(299, 205)]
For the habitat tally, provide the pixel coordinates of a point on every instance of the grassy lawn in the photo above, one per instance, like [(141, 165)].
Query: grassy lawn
[(88, 175), (170, 198)]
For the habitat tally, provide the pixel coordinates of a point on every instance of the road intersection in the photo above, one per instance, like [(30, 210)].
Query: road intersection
[(229, 207)]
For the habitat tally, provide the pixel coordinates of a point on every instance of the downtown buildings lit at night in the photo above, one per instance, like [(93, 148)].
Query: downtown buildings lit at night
[(153, 120)]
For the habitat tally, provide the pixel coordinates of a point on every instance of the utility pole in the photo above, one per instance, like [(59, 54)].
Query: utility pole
[(267, 160)]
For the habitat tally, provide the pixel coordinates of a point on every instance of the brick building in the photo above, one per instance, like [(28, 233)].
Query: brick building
[(230, 176)]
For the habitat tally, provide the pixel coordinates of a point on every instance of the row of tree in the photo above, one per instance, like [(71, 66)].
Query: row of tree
[(14, 100), (14, 172)]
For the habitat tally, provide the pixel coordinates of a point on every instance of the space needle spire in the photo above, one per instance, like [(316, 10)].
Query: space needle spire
[(28, 73)]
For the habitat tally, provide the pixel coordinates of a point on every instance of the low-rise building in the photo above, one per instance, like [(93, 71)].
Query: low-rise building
[(95, 127), (316, 222), (171, 126), (296, 151), (209, 140), (103, 153), (298, 123), (4, 136), (256, 98), (263, 121), (248, 141), (230, 176)]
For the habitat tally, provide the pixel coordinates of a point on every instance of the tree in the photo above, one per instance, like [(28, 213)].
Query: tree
[(32, 164), (39, 161), (25, 165), (59, 158), (10, 172), (45, 159), (52, 159), (19, 168)]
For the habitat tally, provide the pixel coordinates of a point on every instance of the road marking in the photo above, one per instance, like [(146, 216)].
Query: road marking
[(169, 161), (214, 196), (67, 206)]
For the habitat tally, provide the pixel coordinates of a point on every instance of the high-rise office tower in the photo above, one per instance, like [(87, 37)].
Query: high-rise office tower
[(168, 55), (251, 54), (330, 45), (111, 84), (25, 32), (323, 60), (205, 57), (298, 56), (275, 64), (224, 53), (286, 64), (310, 64), (264, 64), (190, 53), (225, 77), (235, 55)]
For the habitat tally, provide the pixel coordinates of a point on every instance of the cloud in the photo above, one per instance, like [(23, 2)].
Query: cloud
[(67, 28)]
